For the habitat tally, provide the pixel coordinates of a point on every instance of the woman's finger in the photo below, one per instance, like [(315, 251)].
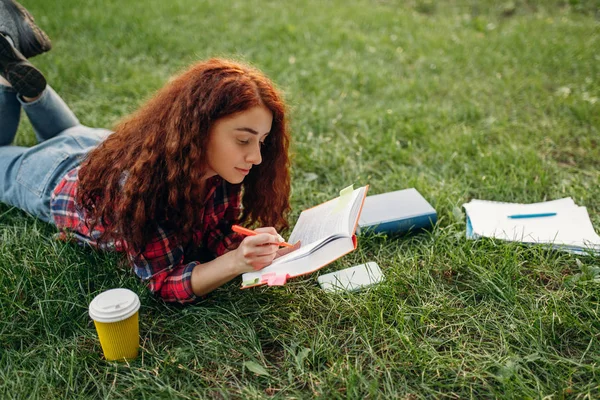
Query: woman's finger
[(261, 262), (261, 239), (286, 250), (267, 229), (265, 250)]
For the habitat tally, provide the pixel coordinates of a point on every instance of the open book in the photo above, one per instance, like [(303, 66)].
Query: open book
[(326, 232)]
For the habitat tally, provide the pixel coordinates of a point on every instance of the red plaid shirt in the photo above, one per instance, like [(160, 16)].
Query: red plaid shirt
[(163, 263)]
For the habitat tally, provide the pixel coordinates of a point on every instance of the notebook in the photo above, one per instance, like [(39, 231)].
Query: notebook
[(560, 223)]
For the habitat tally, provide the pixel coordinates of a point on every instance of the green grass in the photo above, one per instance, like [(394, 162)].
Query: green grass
[(460, 99)]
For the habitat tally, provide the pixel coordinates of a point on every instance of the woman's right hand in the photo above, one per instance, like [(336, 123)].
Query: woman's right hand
[(256, 252)]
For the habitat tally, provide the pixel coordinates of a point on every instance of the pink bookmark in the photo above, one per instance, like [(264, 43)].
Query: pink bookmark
[(265, 278), (278, 280)]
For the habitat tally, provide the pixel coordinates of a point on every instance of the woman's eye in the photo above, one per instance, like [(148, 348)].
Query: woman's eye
[(243, 141)]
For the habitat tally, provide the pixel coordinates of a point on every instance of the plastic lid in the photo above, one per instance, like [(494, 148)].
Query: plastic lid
[(114, 305)]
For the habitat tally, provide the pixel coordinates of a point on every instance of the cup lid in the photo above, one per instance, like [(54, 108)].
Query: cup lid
[(114, 305)]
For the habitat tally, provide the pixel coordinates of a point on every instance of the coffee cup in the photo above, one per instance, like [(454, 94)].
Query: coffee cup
[(116, 316)]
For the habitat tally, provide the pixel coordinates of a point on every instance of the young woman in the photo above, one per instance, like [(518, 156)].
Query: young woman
[(166, 186)]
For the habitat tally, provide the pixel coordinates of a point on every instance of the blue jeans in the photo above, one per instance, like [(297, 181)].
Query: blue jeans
[(28, 175)]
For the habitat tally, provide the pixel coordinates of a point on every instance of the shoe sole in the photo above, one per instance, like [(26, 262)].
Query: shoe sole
[(26, 79)]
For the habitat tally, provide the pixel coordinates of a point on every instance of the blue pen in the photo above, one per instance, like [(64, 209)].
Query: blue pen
[(517, 216)]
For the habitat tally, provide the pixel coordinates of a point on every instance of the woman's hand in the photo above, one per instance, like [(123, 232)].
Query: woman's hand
[(258, 251), (285, 250), (253, 253)]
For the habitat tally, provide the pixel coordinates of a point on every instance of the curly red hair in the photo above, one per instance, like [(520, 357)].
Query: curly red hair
[(149, 172)]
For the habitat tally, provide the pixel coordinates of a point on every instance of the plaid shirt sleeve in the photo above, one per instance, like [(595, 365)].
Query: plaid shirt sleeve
[(162, 266)]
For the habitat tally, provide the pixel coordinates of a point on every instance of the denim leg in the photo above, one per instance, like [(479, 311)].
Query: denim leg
[(29, 175), (10, 114), (49, 115)]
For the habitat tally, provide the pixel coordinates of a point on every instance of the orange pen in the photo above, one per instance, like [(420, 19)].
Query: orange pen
[(249, 232)]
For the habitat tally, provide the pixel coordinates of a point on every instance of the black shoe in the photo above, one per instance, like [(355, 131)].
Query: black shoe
[(26, 79), (19, 24)]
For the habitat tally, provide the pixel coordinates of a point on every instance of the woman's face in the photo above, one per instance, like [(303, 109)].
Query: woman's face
[(234, 143)]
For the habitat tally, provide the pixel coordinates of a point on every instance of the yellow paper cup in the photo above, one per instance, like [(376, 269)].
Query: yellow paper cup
[(115, 314)]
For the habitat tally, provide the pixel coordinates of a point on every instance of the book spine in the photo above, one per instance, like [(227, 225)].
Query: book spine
[(414, 224)]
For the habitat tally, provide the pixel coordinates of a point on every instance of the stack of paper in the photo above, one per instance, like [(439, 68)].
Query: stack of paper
[(560, 223)]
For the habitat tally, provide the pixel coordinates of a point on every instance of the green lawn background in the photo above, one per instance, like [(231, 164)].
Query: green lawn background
[(460, 99)]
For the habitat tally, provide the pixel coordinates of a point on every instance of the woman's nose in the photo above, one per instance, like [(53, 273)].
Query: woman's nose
[(254, 155)]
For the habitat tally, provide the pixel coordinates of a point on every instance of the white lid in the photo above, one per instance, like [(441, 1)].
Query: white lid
[(114, 305)]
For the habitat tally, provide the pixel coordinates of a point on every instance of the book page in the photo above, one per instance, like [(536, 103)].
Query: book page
[(306, 250), (327, 219), (354, 213)]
